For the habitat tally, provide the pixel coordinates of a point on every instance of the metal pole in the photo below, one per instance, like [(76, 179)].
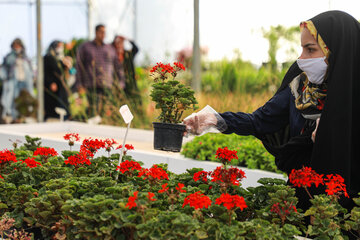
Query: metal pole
[(135, 22), (122, 149), (89, 16), (196, 61), (40, 69)]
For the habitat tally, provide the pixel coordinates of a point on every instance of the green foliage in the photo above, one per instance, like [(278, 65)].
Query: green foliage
[(250, 151), (88, 203)]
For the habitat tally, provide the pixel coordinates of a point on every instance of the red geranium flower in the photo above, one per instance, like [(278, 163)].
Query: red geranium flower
[(109, 144), (131, 201), (197, 200), (79, 159), (92, 145), (72, 137), (1, 177), (45, 152), (154, 172), (228, 176), (163, 188), (201, 175), (150, 196), (283, 211), (129, 166), (31, 163), (179, 66), (335, 185), (180, 187), (231, 201), (304, 177), (127, 146), (224, 154), (7, 156)]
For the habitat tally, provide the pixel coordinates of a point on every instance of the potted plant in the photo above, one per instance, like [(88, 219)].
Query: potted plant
[(172, 98)]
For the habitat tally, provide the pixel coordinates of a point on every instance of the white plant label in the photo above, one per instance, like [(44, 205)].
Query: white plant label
[(126, 113)]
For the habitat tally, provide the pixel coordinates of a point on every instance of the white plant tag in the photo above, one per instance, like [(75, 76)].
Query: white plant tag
[(126, 113)]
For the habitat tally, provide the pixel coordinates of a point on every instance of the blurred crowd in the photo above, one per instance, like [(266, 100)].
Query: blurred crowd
[(92, 73)]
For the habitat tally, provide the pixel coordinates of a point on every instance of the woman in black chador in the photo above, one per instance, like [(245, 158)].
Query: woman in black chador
[(313, 119), (56, 71)]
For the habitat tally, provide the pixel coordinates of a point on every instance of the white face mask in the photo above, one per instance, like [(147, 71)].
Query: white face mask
[(315, 68)]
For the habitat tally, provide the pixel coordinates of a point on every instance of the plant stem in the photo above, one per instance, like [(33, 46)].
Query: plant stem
[(307, 191)]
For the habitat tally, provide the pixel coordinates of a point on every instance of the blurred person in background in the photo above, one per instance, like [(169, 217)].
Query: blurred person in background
[(56, 73), (96, 66), (126, 58), (18, 76)]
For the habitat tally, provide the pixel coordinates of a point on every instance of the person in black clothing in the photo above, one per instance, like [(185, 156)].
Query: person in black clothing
[(56, 71), (313, 119), (126, 58)]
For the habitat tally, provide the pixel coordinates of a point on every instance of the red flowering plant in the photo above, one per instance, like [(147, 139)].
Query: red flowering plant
[(128, 147), (6, 156), (173, 194), (45, 153), (92, 145), (109, 145), (170, 96), (231, 203), (129, 167), (72, 137), (225, 155), (153, 174)]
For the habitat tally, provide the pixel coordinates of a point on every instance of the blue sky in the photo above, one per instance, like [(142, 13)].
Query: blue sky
[(166, 26)]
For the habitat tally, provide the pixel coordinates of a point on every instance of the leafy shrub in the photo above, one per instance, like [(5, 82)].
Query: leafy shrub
[(251, 153)]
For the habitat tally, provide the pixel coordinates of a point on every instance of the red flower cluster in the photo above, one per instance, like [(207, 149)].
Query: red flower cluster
[(180, 187), (154, 172), (162, 68), (197, 200), (109, 144), (131, 200), (228, 176), (31, 163), (128, 166), (305, 177), (231, 201), (284, 210), (79, 159), (45, 152), (7, 156), (92, 145), (151, 196), (127, 146), (163, 188), (226, 154), (72, 137), (201, 175), (179, 66), (1, 177), (335, 185)]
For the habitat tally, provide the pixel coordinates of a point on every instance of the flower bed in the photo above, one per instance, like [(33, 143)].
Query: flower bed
[(74, 195)]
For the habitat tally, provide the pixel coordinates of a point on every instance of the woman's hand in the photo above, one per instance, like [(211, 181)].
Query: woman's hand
[(197, 123)]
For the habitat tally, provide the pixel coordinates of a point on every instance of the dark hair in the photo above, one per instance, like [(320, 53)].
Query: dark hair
[(17, 41), (99, 26)]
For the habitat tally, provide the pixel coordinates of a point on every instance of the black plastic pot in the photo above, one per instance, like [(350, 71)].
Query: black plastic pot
[(168, 136)]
